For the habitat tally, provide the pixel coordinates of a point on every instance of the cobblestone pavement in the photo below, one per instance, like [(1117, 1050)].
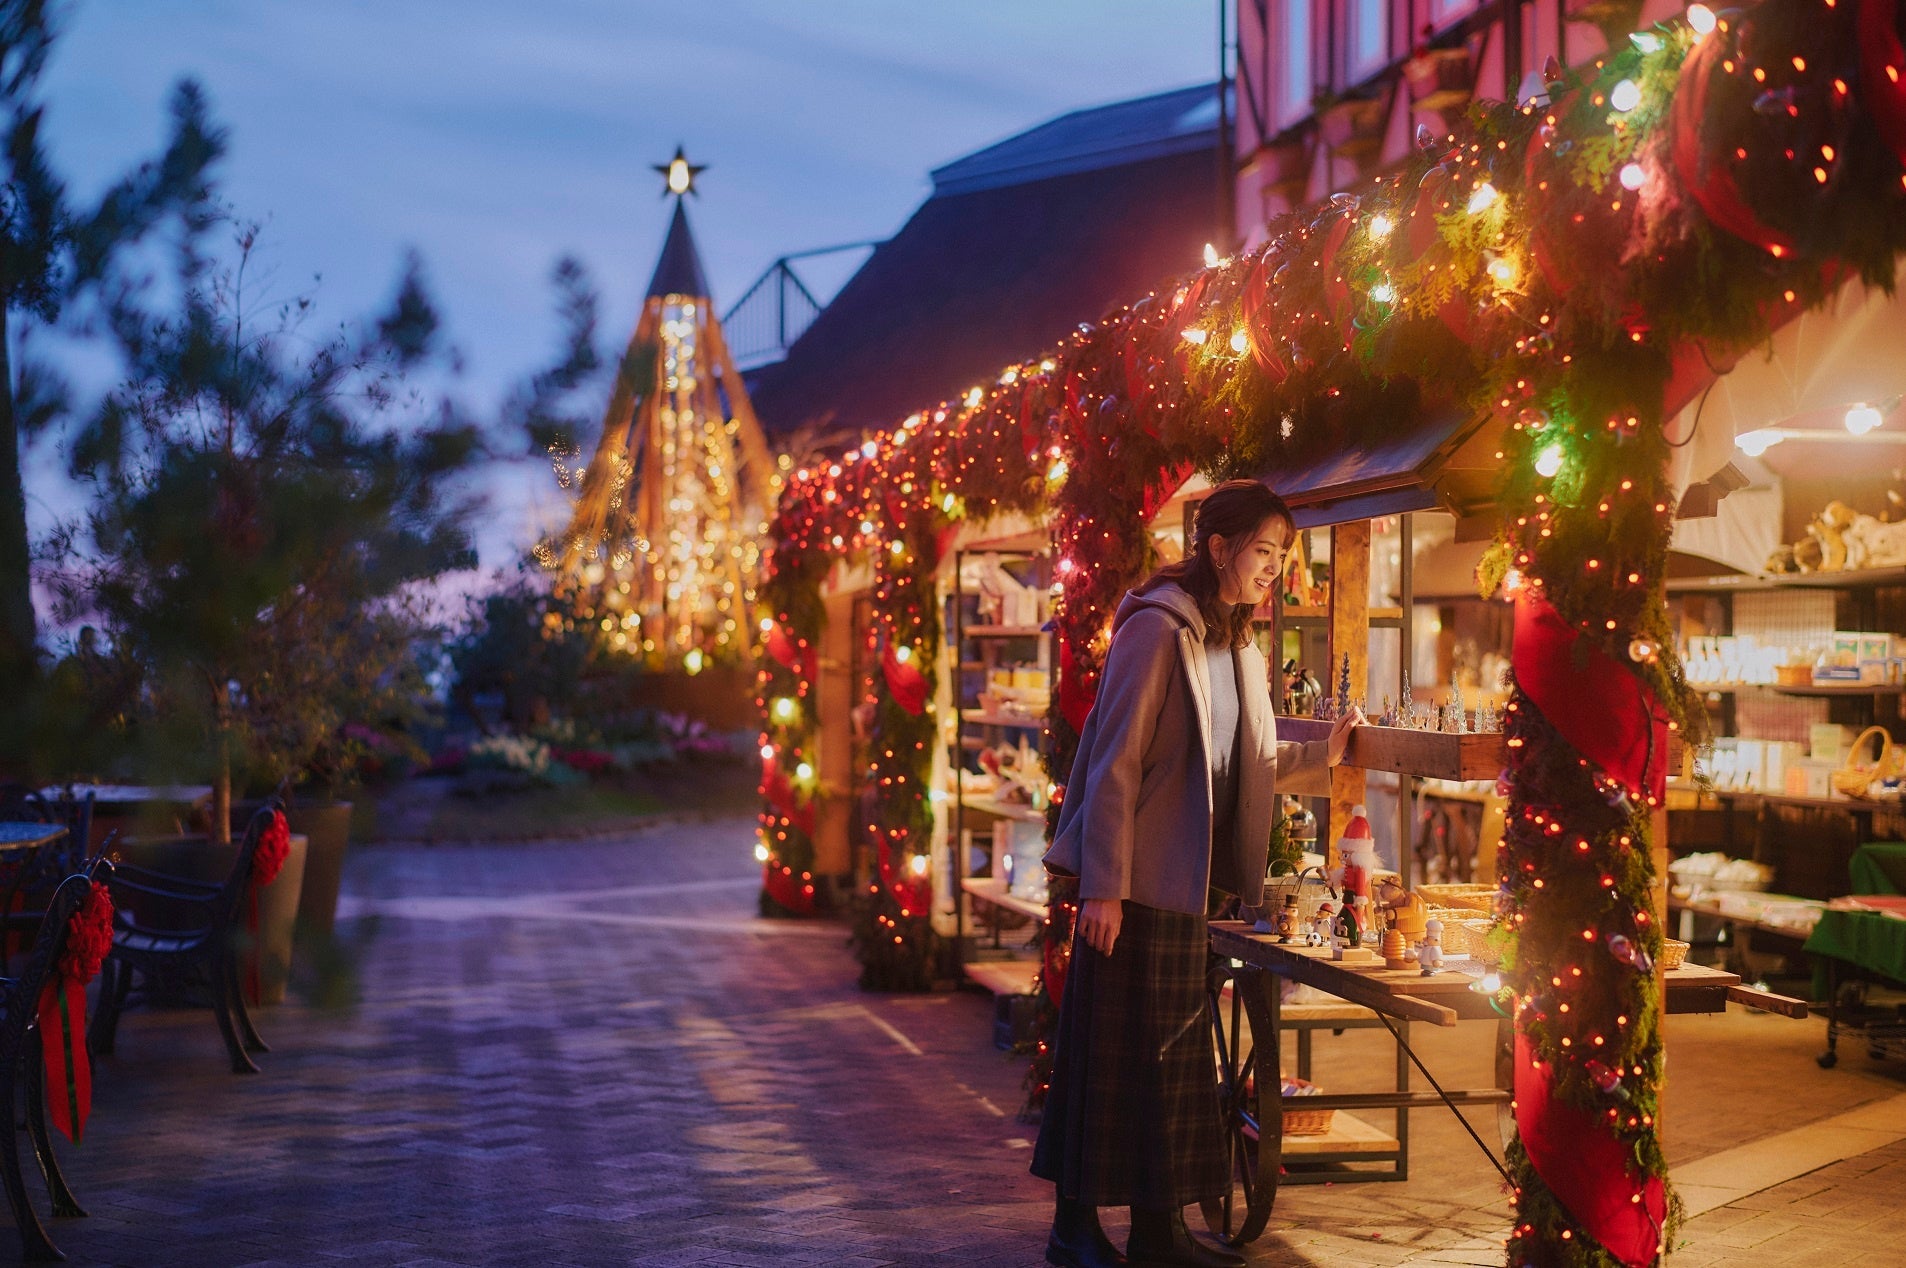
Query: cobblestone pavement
[(594, 1054)]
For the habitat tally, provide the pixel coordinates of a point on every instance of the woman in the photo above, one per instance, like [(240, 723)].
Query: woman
[(1173, 792)]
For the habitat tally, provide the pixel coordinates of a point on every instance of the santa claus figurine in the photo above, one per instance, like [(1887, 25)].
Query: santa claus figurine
[(1358, 850)]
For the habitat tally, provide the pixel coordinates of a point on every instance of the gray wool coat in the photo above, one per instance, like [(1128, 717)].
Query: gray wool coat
[(1136, 822)]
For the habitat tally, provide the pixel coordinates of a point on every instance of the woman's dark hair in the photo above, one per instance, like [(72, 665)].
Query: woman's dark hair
[(1237, 511)]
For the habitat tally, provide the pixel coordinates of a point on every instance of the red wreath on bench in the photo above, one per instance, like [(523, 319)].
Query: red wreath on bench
[(62, 1012)]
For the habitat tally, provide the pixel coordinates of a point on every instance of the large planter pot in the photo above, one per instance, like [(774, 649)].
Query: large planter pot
[(265, 943), (327, 825)]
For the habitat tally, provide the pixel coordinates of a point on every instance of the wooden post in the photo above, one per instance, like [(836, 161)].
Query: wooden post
[(834, 697), (1349, 636)]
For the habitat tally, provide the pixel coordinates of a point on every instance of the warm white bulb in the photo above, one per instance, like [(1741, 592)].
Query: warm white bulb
[(767, 752), (1625, 96), (1195, 335), (1381, 227), (1632, 176), (1383, 293), (1504, 271), (804, 771), (1239, 341), (1549, 461), (1862, 419), (1757, 442), (1211, 256), (761, 853), (1701, 18), (1483, 198), (917, 865), (783, 708), (1646, 41), (903, 654)]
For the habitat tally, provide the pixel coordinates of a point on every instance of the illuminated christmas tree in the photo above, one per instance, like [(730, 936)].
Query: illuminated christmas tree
[(665, 540)]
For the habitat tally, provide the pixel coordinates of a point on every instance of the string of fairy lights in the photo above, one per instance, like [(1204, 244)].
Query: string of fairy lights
[(1567, 271)]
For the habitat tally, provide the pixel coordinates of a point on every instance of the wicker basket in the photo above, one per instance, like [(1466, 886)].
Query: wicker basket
[(1855, 780), (1304, 1122), (1481, 950), (1470, 897), (1310, 892), (1673, 953), (1455, 921)]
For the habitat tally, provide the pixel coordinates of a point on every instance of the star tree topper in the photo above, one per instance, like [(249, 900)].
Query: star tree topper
[(679, 174)]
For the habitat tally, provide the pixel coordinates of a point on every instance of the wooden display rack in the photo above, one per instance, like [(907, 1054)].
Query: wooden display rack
[(1430, 754)]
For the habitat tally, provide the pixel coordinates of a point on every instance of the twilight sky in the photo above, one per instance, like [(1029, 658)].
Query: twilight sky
[(495, 136)]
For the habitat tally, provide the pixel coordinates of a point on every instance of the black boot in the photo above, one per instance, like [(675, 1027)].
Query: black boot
[(1161, 1240), (1077, 1241)]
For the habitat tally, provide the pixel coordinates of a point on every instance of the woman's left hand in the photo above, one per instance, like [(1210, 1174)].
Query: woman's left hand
[(1340, 733)]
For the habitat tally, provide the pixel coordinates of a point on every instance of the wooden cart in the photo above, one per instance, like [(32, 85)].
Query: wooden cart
[(1245, 1002)]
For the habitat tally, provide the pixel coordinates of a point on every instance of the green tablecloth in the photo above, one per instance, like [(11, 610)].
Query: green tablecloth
[(1879, 867), (1874, 942), (1868, 939)]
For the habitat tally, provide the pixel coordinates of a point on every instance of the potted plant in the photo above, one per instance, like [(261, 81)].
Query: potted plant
[(1351, 127), (1439, 78)]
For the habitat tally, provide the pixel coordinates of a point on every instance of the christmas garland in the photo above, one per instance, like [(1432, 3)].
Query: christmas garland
[(1569, 272)]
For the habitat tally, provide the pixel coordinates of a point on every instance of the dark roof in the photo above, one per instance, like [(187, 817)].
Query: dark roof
[(990, 275), (679, 271), (1177, 122)]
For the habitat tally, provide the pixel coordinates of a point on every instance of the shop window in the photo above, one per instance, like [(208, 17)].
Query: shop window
[(1294, 80), (1443, 12), (1366, 38)]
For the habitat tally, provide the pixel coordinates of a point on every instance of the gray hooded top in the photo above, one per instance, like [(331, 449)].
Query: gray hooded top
[(1137, 817)]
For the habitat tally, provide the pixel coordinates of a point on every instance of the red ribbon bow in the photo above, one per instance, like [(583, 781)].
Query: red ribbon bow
[(62, 1012)]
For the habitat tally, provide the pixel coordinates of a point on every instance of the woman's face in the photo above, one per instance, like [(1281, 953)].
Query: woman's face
[(1248, 571)]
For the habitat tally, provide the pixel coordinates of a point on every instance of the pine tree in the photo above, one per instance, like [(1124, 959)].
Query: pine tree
[(50, 254)]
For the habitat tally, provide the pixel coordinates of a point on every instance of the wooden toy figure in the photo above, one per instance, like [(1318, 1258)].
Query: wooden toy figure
[(1358, 849), (1320, 925), (1287, 919), (1429, 954), (1344, 928)]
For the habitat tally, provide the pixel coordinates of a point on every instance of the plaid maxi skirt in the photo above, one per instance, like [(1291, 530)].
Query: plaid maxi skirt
[(1132, 1117)]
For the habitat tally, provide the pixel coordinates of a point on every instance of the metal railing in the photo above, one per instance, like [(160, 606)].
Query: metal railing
[(764, 323)]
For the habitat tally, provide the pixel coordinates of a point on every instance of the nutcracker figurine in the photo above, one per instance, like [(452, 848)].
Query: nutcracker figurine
[(1358, 849)]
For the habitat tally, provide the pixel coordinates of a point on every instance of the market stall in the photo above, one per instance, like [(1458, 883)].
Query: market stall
[(1555, 283)]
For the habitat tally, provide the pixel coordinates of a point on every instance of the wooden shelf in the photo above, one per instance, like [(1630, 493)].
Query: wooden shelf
[(1846, 579), (989, 890), (1431, 754), (1322, 613), (1854, 689), (981, 717), (1855, 805), (1706, 907), (1003, 809), (1004, 977), (1347, 1135), (1002, 631)]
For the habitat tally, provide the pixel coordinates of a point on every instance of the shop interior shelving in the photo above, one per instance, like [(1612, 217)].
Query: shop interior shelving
[(1805, 839), (983, 647)]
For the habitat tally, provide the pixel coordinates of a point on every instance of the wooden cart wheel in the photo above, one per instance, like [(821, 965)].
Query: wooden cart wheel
[(1254, 1147), (1506, 1079)]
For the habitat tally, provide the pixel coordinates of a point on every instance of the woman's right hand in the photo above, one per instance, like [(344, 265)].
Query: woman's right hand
[(1099, 920)]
